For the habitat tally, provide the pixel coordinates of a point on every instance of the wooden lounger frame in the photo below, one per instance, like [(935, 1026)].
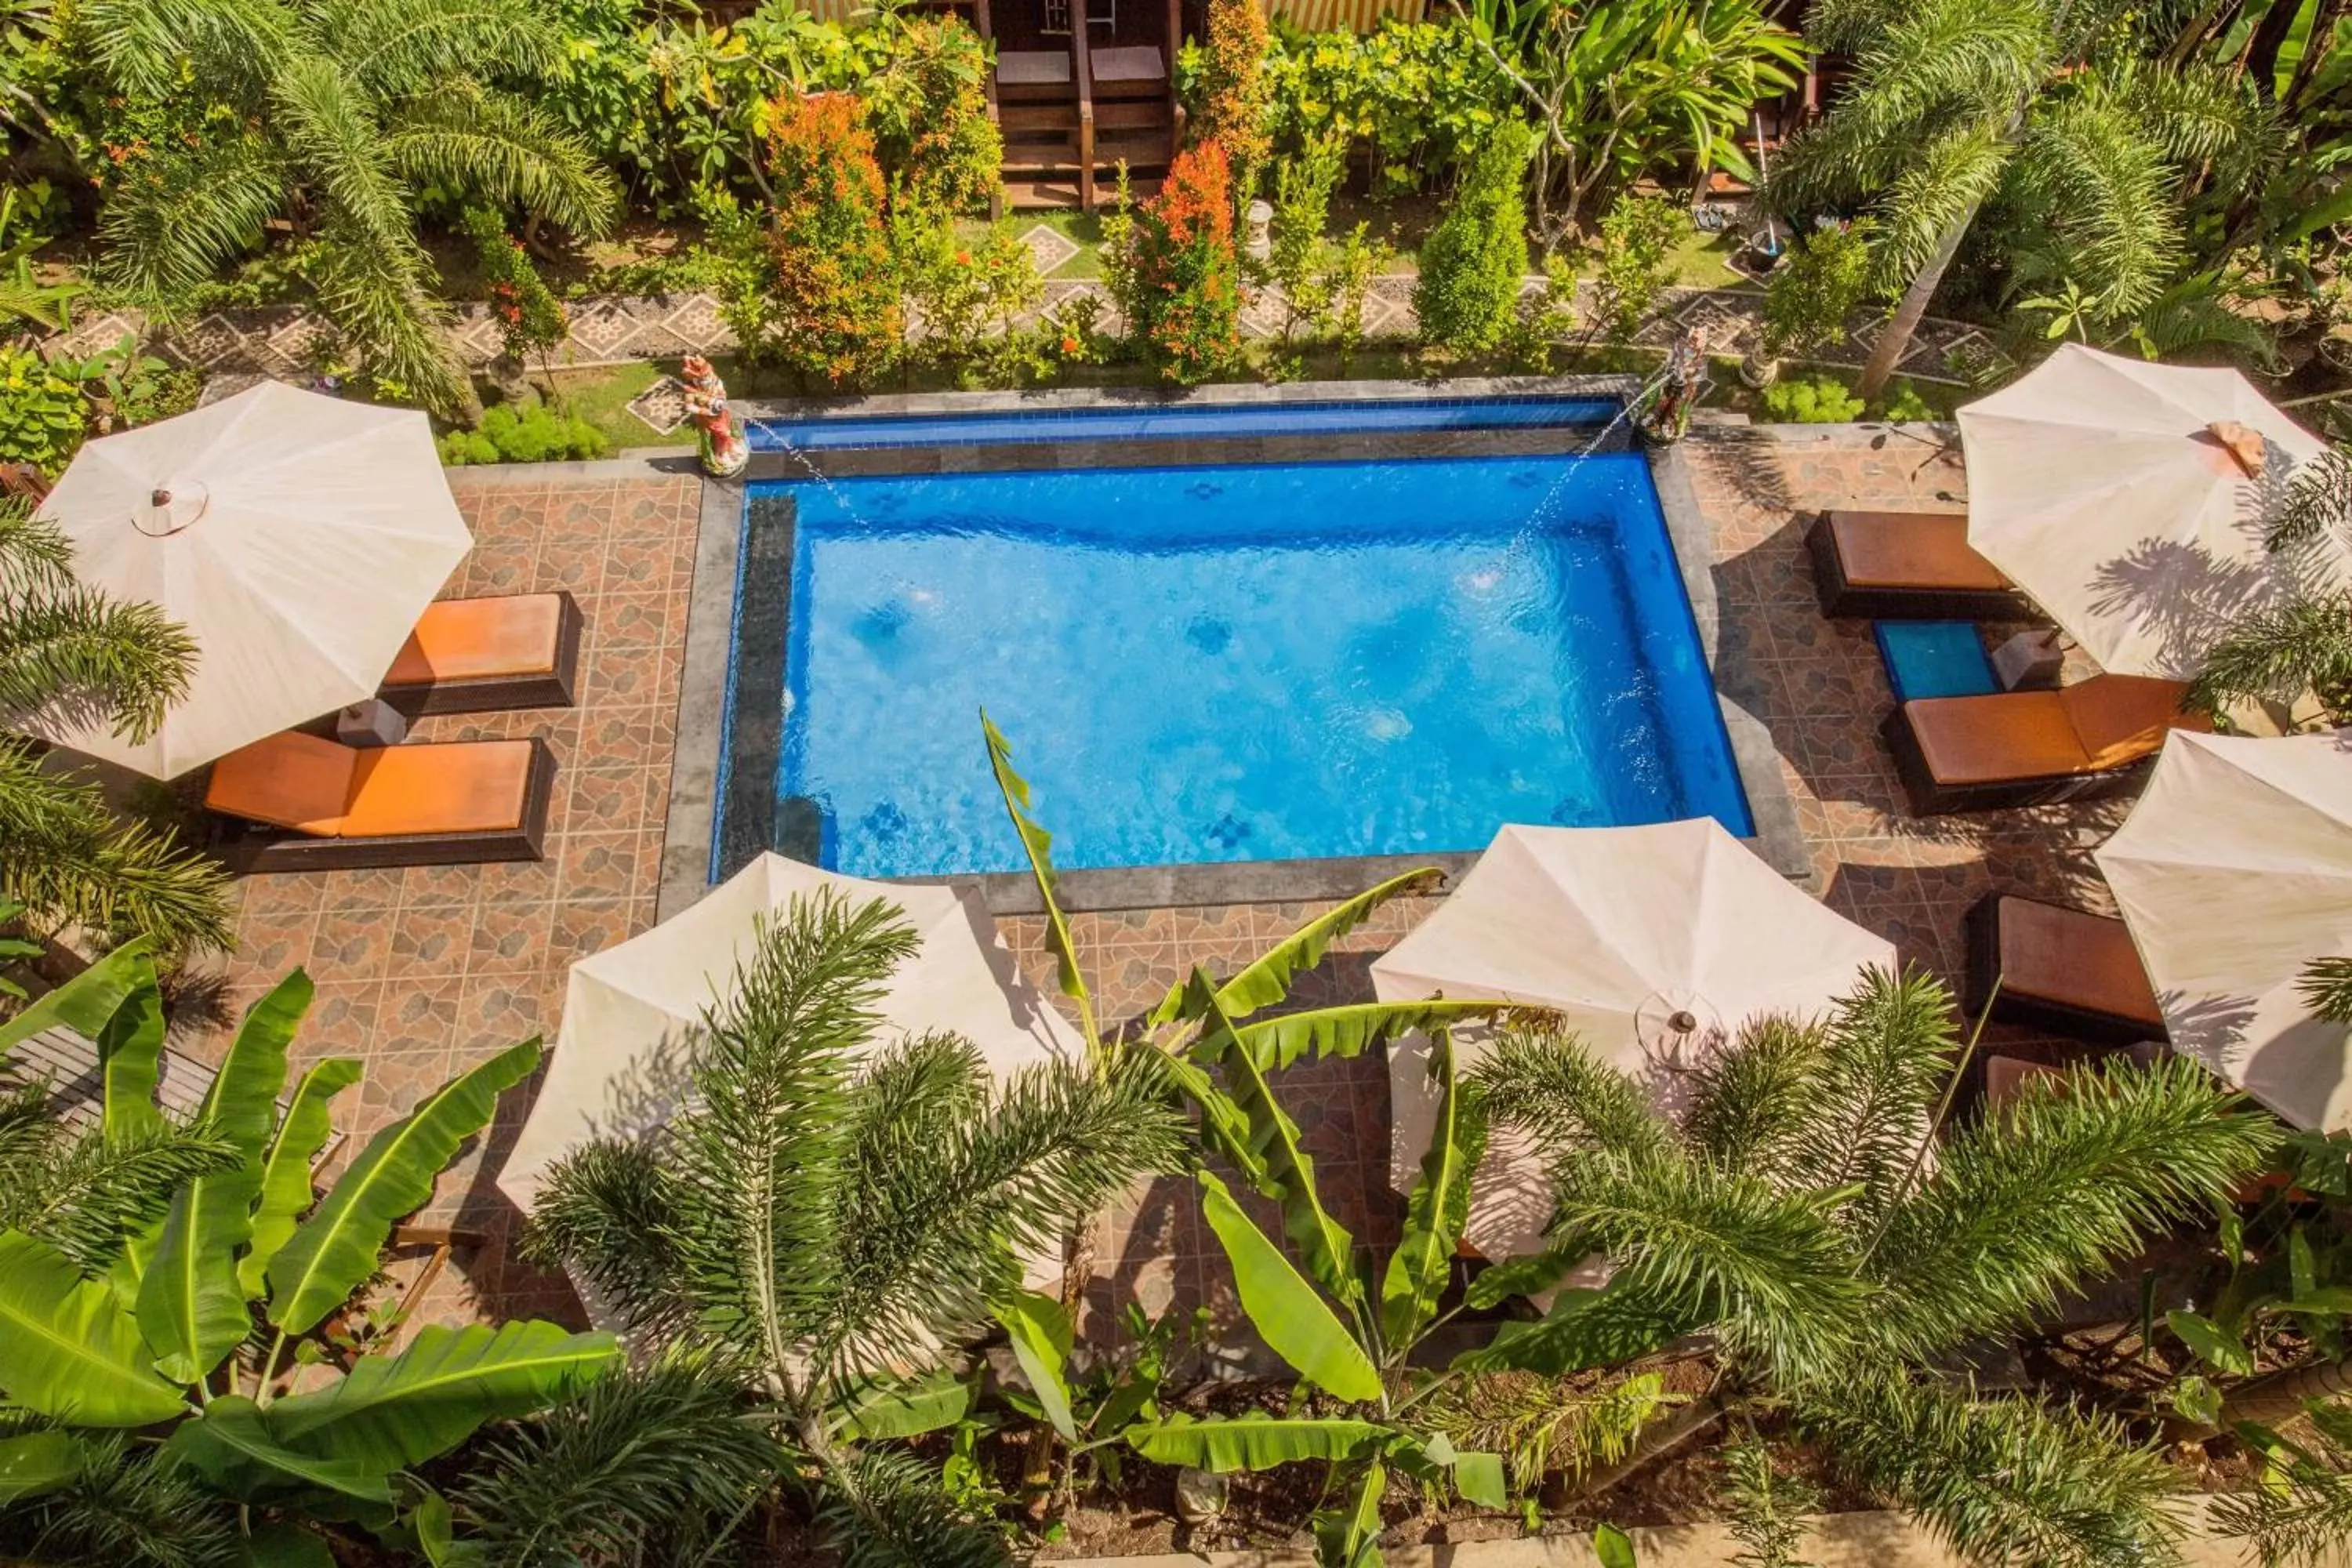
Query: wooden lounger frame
[(557, 688), (252, 846), (1930, 796), (1841, 599), (1980, 932)]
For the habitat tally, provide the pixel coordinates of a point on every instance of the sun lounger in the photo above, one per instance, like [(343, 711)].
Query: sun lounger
[(475, 656), (2085, 742), (299, 803), (2060, 969), (1908, 565)]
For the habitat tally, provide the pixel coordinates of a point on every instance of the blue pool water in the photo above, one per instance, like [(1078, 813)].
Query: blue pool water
[(1144, 421), (1242, 663)]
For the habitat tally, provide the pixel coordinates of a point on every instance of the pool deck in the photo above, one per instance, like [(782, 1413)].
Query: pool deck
[(426, 970)]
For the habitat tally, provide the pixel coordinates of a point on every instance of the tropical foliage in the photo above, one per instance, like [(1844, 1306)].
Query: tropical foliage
[(339, 114), (2298, 643), (1792, 1218), (1467, 292), (68, 653), (1234, 97), (148, 1260), (835, 1212), (1171, 264)]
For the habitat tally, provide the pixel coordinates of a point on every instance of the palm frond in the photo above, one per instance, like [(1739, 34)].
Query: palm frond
[(79, 658), (653, 1464), (2325, 987), (100, 1189), (2096, 197), (607, 1210), (377, 297), (930, 1232), (144, 45), (1941, 183), (135, 1510), (498, 148), (398, 49), (1750, 1100), (2002, 1480), (330, 126), (1769, 1271), (2300, 1511), (187, 213), (70, 860), (2276, 653), (2317, 503), (2197, 317), (35, 556), (2071, 1175), (1767, 1507), (1541, 1425), (884, 1510), (1888, 1053), (1542, 1078)]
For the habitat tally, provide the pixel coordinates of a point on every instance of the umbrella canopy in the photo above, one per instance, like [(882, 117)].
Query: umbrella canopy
[(1655, 943), (297, 538), (2131, 500), (629, 1011), (2234, 871)]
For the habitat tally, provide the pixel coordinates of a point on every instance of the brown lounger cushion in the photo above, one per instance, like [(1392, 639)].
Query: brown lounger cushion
[(480, 640), (2006, 1076), (2054, 954), (2106, 723), (1912, 550), (326, 790)]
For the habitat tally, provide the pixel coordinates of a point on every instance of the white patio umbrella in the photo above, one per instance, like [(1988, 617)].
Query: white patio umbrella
[(2234, 871), (629, 1011), (1655, 943), (297, 537), (2130, 499)]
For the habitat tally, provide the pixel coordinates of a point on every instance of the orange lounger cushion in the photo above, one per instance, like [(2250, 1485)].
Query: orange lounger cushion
[(326, 790), (1912, 550), (477, 639), (2106, 723), (2051, 954)]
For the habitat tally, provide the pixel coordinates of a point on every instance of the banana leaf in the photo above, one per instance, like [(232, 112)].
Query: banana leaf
[(1038, 846), (37, 1464), (236, 1446), (394, 1411), (1274, 1159), (1434, 1214), (286, 1189), (131, 1060), (1251, 1442), (1479, 1479), (189, 1306), (1350, 1536), (86, 1002), (67, 1350), (1266, 979), (1275, 1043), (1529, 1276), (889, 1407), (286, 1546), (334, 1251), (1297, 1324), (1041, 1336)]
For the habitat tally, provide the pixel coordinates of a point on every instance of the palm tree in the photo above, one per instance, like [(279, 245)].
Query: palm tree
[(349, 111), (2036, 107), (2302, 642), (830, 1204), (1794, 1220), (70, 653)]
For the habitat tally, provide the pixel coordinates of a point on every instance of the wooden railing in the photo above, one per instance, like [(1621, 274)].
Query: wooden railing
[(1082, 67)]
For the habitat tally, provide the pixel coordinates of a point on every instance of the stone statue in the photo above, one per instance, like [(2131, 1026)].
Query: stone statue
[(724, 449), (1666, 417)]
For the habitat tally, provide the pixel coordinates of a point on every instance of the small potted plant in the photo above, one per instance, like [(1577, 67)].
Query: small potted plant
[(1807, 296)]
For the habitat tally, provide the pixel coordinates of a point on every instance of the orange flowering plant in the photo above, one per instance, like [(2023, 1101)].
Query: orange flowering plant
[(1172, 269)]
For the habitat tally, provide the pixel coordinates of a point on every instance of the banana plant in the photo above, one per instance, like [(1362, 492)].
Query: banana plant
[(183, 1331)]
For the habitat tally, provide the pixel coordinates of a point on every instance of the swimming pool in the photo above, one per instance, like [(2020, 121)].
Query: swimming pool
[(1178, 421), (1237, 662)]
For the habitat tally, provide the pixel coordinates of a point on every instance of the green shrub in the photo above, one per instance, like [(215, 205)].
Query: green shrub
[(1811, 400), (531, 433), (1904, 405), (927, 108), (1637, 243), (1419, 96), (1468, 293), (833, 309), (531, 320), (1809, 296), (42, 411)]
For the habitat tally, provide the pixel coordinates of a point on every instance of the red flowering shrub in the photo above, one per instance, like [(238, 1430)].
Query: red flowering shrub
[(531, 320), (833, 295), (1174, 272)]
